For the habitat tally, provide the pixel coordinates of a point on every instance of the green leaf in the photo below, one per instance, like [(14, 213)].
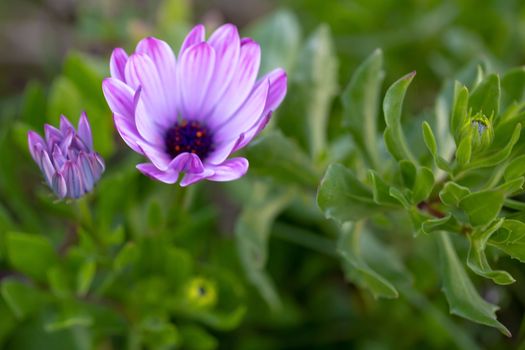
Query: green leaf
[(408, 172), (513, 86), (34, 104), (342, 197), (485, 97), (477, 260), (30, 254), (400, 196), (510, 238), (464, 150), (276, 156), (252, 232), (512, 186), (423, 185), (314, 85), (429, 139), (459, 110), (515, 169), (452, 194), (462, 297), (381, 190), (196, 338), (392, 106), (85, 277), (22, 299), (356, 269), (482, 207), (446, 223), (360, 104), (64, 98), (59, 281), (280, 35)]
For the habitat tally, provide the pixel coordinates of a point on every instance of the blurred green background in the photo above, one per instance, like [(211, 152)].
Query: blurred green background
[(124, 269)]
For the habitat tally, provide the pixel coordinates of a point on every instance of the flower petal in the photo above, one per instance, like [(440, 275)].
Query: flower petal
[(119, 97), (169, 176), (196, 68), (226, 43), (73, 180), (232, 169), (84, 131), (246, 116), (155, 154), (117, 64), (160, 107), (240, 86), (65, 125), (47, 167), (36, 143), (148, 127), (128, 131), (188, 163), (53, 135), (248, 136), (196, 36), (59, 186), (164, 59), (278, 85), (193, 178)]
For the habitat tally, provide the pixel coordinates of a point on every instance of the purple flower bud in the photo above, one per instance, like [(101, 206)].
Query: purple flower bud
[(70, 166)]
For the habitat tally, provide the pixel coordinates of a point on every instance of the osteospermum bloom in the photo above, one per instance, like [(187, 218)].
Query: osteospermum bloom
[(188, 115), (66, 157)]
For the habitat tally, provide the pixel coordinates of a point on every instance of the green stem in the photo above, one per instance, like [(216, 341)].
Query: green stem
[(514, 204)]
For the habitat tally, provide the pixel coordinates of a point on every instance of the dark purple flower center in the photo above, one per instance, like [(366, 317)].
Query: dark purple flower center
[(192, 137)]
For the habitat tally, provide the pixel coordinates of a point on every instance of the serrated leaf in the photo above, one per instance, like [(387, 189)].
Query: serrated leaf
[(392, 106), (356, 269), (252, 232), (510, 238), (30, 254), (341, 196), (477, 260), (452, 194), (482, 207), (293, 166), (361, 102), (462, 297), (485, 97)]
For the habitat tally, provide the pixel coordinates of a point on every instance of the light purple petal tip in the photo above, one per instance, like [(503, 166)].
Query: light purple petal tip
[(158, 157), (232, 169), (278, 86), (188, 163), (36, 143), (117, 63), (195, 36), (119, 97), (84, 131), (59, 186)]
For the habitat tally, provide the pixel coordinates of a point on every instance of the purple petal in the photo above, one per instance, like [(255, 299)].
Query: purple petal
[(196, 36), (254, 131), (59, 185), (52, 134), (88, 173), (147, 126), (158, 103), (232, 169), (193, 178), (246, 116), (169, 176), (84, 131), (241, 84), (119, 97), (226, 43), (222, 151), (36, 143), (128, 131), (117, 63), (155, 154), (65, 125), (73, 179), (195, 71), (278, 85), (58, 158), (164, 59), (187, 162), (47, 167)]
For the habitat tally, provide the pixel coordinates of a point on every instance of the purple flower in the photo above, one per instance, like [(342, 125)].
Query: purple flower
[(66, 157), (188, 115)]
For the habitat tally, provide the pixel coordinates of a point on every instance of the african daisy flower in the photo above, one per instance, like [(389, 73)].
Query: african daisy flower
[(66, 157), (188, 115)]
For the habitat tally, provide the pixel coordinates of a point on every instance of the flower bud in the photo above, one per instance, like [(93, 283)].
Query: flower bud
[(70, 166), (201, 292), (479, 130)]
